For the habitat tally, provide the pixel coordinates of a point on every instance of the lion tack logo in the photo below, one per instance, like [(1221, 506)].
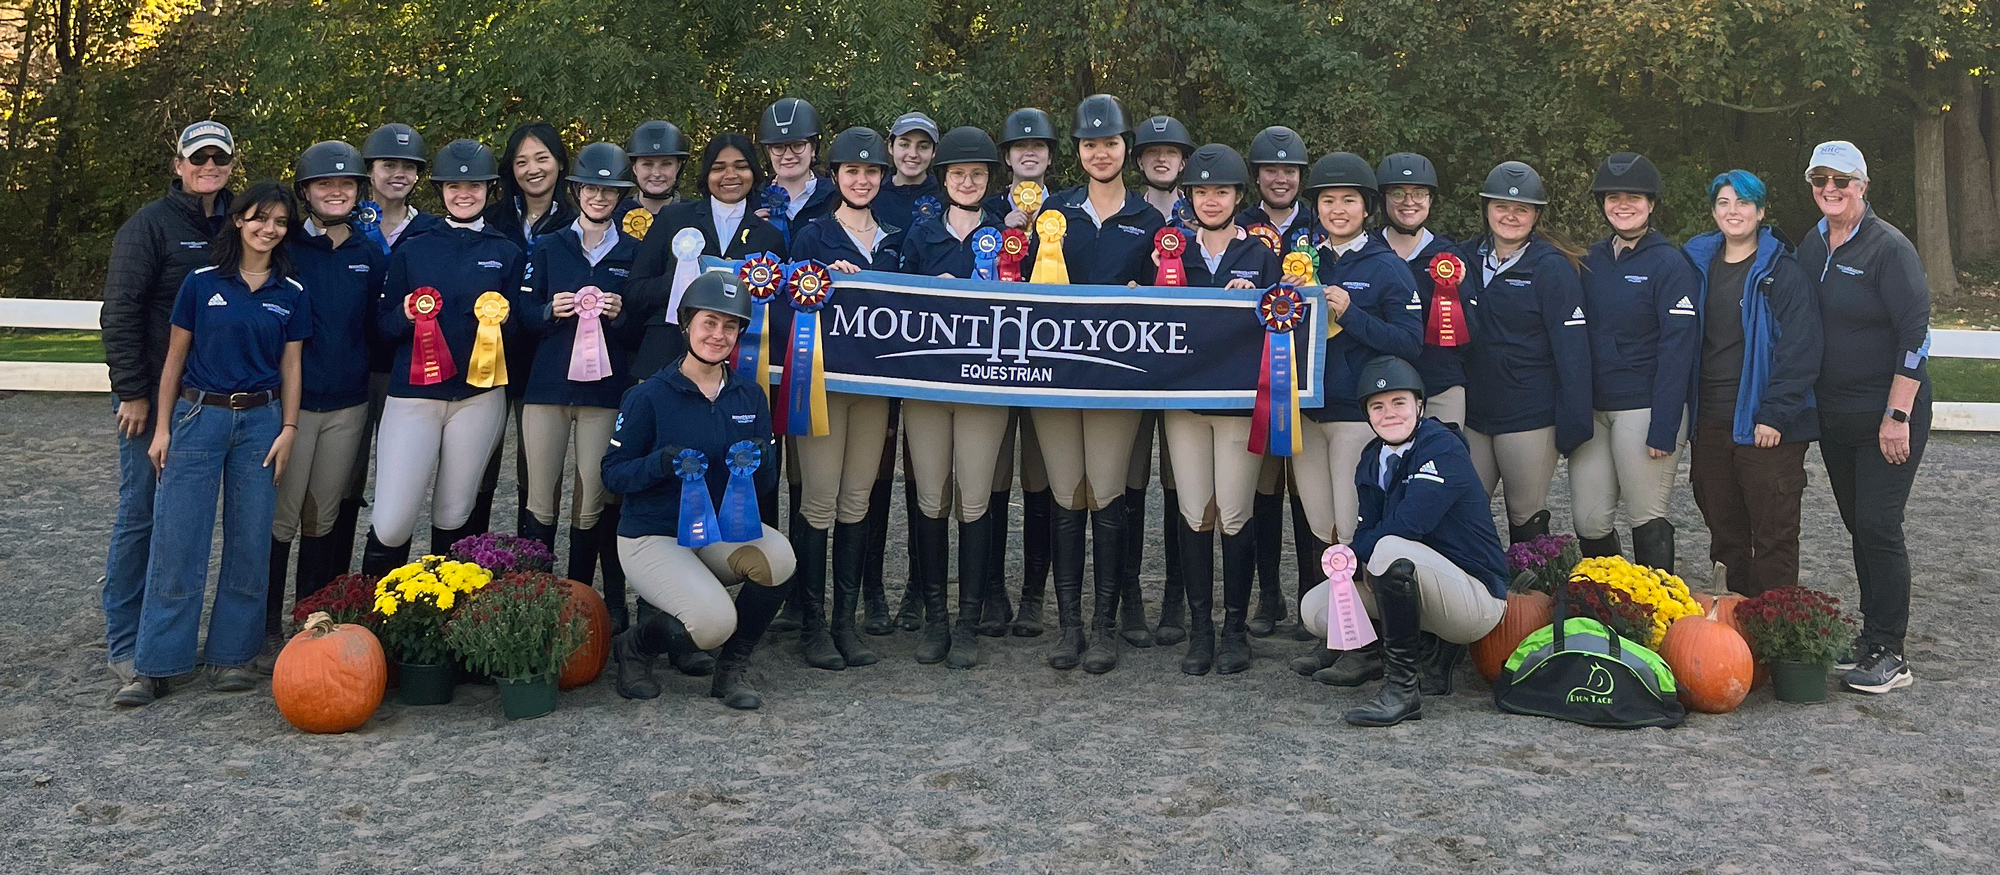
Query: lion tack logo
[(1596, 690)]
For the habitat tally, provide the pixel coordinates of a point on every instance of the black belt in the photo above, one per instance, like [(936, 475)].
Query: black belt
[(231, 400)]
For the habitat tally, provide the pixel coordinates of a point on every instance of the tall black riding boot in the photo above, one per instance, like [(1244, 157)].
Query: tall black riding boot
[(994, 612), (583, 546), (850, 550), (874, 599), (1131, 601), (1605, 546), (1535, 527), (442, 539), (1173, 595), (1107, 560), (480, 522), (1309, 549), (340, 541), (792, 618), (377, 560), (1198, 581), (1239, 572), (635, 649), (536, 530), (1266, 515), (274, 597), (1036, 531), (910, 612), (316, 565), (1401, 607), (1653, 544), (809, 594), (975, 543), (613, 574), (755, 606), (1440, 659), (927, 561), (1066, 564)]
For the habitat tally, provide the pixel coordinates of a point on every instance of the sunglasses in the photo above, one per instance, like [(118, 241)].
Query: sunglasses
[(205, 156), (1819, 180)]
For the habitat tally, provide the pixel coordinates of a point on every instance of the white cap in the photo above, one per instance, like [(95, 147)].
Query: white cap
[(206, 133), (1840, 156)]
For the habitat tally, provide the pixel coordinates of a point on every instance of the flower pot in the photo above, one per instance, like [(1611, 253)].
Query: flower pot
[(422, 684), (1800, 682), (523, 698)]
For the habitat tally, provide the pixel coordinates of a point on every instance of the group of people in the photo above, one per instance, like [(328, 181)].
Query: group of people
[(261, 343)]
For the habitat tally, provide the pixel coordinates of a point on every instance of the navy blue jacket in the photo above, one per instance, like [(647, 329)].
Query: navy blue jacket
[(1302, 219), (504, 215), (1645, 332), (629, 204), (1003, 203), (418, 223), (897, 204), (559, 265), (1441, 367), (649, 289), (824, 241), (345, 283), (1246, 258), (1118, 252), (1529, 363), (1381, 319), (825, 197), (1782, 343), (1434, 498), (930, 250), (1875, 311), (666, 413), (461, 264)]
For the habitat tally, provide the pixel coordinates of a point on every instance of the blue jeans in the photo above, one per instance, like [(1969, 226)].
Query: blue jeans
[(131, 541), (214, 450)]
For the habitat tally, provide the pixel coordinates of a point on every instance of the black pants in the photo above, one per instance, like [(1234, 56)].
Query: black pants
[(1750, 499), (1872, 494)]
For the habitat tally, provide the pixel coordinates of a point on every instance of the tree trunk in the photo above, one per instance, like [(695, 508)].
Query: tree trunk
[(1933, 211), (1976, 221), (1993, 135)]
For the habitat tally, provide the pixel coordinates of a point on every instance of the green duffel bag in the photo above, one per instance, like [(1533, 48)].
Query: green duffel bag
[(1579, 670)]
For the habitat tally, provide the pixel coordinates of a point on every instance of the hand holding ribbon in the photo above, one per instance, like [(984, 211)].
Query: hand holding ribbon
[(430, 358), (1013, 250), (986, 254), (1169, 244), (777, 204), (488, 367), (589, 357), (740, 521), (698, 526), (1347, 626)]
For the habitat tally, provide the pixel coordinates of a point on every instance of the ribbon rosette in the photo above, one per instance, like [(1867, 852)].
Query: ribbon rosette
[(986, 254), (1183, 213), (430, 358), (589, 358), (1274, 423), (1013, 251), (1301, 265), (686, 246), (1269, 235), (803, 388), (698, 527), (488, 366), (1347, 626), (778, 202), (928, 209), (764, 276), (368, 220), (1170, 244), (637, 223), (1307, 240), (740, 521), (1445, 325), (1028, 197), (1050, 268)]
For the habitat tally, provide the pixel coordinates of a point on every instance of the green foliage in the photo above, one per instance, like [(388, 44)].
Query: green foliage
[(519, 626)]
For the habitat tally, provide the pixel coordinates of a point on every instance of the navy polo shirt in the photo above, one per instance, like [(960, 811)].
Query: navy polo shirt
[(239, 335)]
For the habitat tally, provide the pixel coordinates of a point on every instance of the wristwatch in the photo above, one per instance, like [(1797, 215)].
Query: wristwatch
[(1899, 415)]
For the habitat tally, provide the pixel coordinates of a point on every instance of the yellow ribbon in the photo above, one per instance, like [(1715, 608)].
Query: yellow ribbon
[(489, 361), (1049, 264), (637, 222)]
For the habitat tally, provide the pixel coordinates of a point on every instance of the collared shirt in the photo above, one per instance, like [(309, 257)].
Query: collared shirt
[(1620, 245), (1348, 248), (869, 246), (391, 235), (1388, 460), (595, 254), (796, 204), (1494, 266), (313, 229), (478, 224), (729, 216), (1281, 222), (1424, 238)]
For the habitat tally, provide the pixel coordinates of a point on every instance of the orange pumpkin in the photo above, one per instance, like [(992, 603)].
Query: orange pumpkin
[(1703, 599), (1712, 664), (1722, 609), (329, 677), (1526, 612), (588, 661)]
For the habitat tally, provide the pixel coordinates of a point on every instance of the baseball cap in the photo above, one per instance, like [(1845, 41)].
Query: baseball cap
[(914, 121), (206, 133), (1840, 156)]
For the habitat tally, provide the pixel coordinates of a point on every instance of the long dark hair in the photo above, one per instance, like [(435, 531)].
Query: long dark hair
[(1556, 240), (546, 134), (714, 149), (253, 202)]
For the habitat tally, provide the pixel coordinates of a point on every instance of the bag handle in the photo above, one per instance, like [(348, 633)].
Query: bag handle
[(1617, 651)]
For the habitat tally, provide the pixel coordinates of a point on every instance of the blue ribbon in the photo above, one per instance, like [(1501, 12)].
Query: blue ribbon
[(928, 208), (1306, 238), (368, 220), (764, 277), (802, 362), (1184, 213), (1278, 365), (778, 202), (986, 253), (698, 524), (741, 523)]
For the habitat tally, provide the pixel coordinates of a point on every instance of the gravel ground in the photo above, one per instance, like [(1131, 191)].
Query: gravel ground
[(1011, 767)]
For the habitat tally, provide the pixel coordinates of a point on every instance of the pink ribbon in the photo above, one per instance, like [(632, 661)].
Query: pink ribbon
[(1347, 626), (589, 360)]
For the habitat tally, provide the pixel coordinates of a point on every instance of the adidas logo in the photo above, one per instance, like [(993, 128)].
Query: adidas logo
[(1575, 318), (216, 300), (1684, 302), (1429, 472)]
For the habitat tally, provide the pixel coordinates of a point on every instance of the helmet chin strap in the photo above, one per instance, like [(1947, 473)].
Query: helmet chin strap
[(326, 222), (852, 205), (971, 208)]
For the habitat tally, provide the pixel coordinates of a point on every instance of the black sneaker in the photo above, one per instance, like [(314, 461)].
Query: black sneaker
[(1855, 654), (1883, 670)]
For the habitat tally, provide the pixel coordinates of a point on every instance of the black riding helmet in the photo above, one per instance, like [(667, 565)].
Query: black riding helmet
[(718, 291), (394, 140), (1627, 172), (601, 164), (965, 145), (1278, 144), (329, 159), (858, 145), (1100, 115), (1386, 373), (1517, 182), (1028, 124), (465, 161), (788, 120), (1406, 168), (1216, 164), (657, 139), (1161, 130)]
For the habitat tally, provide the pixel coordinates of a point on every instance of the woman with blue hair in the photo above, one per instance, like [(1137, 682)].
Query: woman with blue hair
[(1754, 410)]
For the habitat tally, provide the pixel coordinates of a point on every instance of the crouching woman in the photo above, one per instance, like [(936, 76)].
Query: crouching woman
[(697, 403), (1435, 575)]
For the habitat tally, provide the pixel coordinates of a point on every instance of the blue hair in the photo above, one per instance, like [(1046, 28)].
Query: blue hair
[(1748, 186)]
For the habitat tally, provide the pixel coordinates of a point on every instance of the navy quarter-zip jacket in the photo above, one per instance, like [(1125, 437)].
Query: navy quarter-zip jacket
[(1381, 319), (561, 266), (665, 414), (1645, 332), (345, 284), (461, 264), (1529, 363)]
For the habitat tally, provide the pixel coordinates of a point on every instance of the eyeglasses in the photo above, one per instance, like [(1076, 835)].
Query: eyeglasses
[(797, 147), (205, 156), (1409, 197), (1819, 180)]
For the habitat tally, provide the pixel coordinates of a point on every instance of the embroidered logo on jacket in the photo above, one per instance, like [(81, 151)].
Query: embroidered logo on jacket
[(743, 418), (358, 268), (1636, 279), (1850, 271), (1682, 307), (1356, 286), (491, 265), (194, 244), (277, 309)]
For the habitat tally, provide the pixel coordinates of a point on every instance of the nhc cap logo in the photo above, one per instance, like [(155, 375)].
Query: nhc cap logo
[(1281, 153), (1513, 189), (602, 171)]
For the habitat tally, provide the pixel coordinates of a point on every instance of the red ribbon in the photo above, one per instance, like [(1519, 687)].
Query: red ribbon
[(1446, 323), (1013, 250), (1169, 244), (430, 358)]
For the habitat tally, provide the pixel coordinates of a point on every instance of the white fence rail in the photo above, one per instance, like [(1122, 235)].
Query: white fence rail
[(92, 377)]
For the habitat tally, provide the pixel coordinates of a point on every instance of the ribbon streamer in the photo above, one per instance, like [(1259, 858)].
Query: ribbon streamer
[(488, 365), (804, 384), (698, 526), (1274, 422), (778, 204), (986, 254), (687, 245), (764, 276), (589, 358), (740, 521), (1013, 250), (1170, 244), (1050, 268), (1347, 626), (430, 358), (1445, 323)]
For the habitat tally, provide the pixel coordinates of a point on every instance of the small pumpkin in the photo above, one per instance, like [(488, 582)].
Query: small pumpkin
[(330, 676), (1712, 664), (588, 661), (1526, 612)]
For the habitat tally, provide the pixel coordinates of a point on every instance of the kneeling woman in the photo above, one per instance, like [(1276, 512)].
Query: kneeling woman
[(697, 404), (1426, 542)]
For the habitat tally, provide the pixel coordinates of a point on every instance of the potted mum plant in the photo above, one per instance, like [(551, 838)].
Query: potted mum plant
[(1800, 632), (349, 598), (415, 602), (500, 553), (1548, 557), (519, 630)]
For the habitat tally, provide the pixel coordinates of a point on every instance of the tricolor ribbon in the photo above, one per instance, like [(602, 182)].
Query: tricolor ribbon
[(488, 365), (804, 385), (1274, 423), (1013, 250), (368, 220), (764, 277), (589, 358), (430, 358), (686, 246), (699, 527), (986, 254), (1307, 240), (778, 204), (740, 522), (1170, 244), (1446, 323), (1347, 626), (1050, 268), (928, 208)]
